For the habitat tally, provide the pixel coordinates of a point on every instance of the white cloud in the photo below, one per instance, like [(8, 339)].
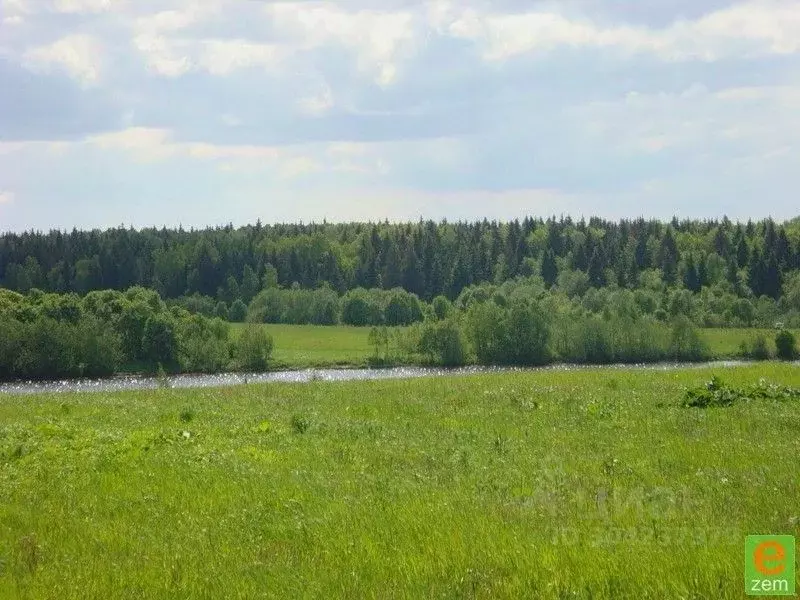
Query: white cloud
[(81, 56), (752, 121), (221, 57), (152, 144), (381, 40), (6, 197), (748, 29), (161, 55), (88, 6), (318, 104), (148, 145), (173, 58)]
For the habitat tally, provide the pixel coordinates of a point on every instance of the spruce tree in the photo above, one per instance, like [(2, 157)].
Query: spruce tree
[(549, 268)]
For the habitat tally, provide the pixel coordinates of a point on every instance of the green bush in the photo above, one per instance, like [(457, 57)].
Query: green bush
[(356, 311), (238, 312), (253, 349), (442, 307), (685, 342), (402, 309), (786, 345), (159, 340), (757, 348), (443, 343), (518, 334), (221, 310), (203, 345)]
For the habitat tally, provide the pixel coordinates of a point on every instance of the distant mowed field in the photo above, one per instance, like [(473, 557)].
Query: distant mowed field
[(588, 484), (726, 342), (301, 346)]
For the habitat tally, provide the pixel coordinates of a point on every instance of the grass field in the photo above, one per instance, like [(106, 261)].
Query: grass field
[(725, 343), (590, 484), (301, 346)]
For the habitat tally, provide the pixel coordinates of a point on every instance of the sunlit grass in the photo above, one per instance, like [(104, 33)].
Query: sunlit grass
[(727, 342), (300, 346), (541, 485)]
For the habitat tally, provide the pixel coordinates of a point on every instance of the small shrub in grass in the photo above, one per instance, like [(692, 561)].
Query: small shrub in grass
[(786, 345), (715, 393), (756, 349), (300, 424), (161, 377)]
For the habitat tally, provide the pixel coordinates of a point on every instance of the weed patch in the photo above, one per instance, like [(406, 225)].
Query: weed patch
[(715, 393)]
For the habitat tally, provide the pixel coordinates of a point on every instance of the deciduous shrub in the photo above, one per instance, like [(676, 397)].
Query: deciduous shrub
[(518, 334), (443, 343), (786, 345), (253, 349), (238, 312)]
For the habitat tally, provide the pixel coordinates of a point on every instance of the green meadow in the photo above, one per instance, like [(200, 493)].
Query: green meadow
[(301, 346), (586, 484)]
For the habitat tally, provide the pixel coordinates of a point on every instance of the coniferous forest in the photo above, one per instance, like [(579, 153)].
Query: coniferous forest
[(426, 258)]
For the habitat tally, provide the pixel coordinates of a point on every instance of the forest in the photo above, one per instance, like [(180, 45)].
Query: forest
[(521, 293), (426, 258)]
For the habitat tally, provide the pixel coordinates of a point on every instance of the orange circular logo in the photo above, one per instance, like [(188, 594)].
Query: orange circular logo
[(770, 558)]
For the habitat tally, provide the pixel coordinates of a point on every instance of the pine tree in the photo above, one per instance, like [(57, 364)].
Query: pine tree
[(782, 248), (702, 272), (722, 244), (691, 279), (756, 276), (742, 253), (549, 268), (732, 272), (250, 285), (596, 272), (669, 257), (772, 278)]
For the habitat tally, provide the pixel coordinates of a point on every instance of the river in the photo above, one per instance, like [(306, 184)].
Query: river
[(133, 382)]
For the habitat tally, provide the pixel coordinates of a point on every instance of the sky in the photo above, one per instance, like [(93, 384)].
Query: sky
[(207, 112)]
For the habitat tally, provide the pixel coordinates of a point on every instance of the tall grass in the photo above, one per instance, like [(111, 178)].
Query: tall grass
[(591, 484)]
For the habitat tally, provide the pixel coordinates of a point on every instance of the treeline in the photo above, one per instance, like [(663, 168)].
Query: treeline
[(426, 259), (522, 324), (716, 305), (46, 336)]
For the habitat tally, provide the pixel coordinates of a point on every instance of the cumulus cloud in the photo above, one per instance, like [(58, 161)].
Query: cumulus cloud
[(81, 56), (88, 6), (581, 99), (748, 29)]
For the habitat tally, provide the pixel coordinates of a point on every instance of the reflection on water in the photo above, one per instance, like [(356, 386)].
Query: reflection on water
[(121, 383)]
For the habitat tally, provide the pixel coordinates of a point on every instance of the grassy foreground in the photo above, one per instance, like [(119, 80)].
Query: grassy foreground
[(589, 484), (301, 346)]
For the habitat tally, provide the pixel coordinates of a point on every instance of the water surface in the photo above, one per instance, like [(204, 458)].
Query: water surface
[(132, 382)]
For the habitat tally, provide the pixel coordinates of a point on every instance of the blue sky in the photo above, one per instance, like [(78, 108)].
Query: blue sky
[(167, 112)]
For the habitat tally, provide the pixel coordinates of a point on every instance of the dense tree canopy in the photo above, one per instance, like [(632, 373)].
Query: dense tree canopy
[(425, 258)]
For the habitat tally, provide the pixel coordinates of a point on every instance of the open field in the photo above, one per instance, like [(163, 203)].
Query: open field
[(724, 343), (541, 485), (300, 346)]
